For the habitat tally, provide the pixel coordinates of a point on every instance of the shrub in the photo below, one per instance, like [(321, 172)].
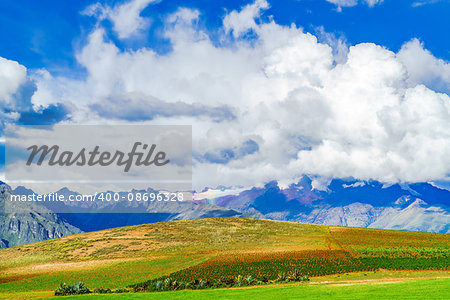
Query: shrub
[(101, 290), (282, 277), (249, 280), (75, 289), (202, 284), (121, 290), (168, 283), (239, 281)]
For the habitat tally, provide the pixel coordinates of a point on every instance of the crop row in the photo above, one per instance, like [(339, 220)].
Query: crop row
[(267, 266)]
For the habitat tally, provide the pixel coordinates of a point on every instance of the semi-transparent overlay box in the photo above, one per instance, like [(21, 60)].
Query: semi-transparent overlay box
[(97, 168)]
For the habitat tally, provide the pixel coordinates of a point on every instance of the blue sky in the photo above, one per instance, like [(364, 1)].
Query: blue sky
[(334, 88), (45, 33)]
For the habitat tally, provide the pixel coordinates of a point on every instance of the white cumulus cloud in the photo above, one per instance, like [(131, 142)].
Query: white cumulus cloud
[(12, 76), (244, 20), (350, 3), (125, 17), (423, 67), (276, 107)]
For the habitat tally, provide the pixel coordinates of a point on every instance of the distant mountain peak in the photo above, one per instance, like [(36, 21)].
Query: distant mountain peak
[(403, 200), (418, 202)]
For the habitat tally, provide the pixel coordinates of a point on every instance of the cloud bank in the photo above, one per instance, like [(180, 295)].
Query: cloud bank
[(267, 102)]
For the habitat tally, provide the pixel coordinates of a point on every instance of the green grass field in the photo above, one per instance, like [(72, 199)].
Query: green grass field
[(216, 247), (413, 289)]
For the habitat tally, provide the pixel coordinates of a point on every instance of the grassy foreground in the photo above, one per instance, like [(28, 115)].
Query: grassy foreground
[(220, 247), (412, 289), (122, 256)]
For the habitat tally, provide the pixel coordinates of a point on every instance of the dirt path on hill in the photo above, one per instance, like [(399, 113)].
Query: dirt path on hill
[(40, 268), (374, 280)]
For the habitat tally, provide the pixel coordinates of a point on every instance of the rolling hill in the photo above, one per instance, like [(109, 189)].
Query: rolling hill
[(33, 222), (126, 256), (414, 207)]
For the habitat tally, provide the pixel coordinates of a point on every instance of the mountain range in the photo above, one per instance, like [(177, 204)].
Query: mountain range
[(30, 224), (415, 207), (34, 221)]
